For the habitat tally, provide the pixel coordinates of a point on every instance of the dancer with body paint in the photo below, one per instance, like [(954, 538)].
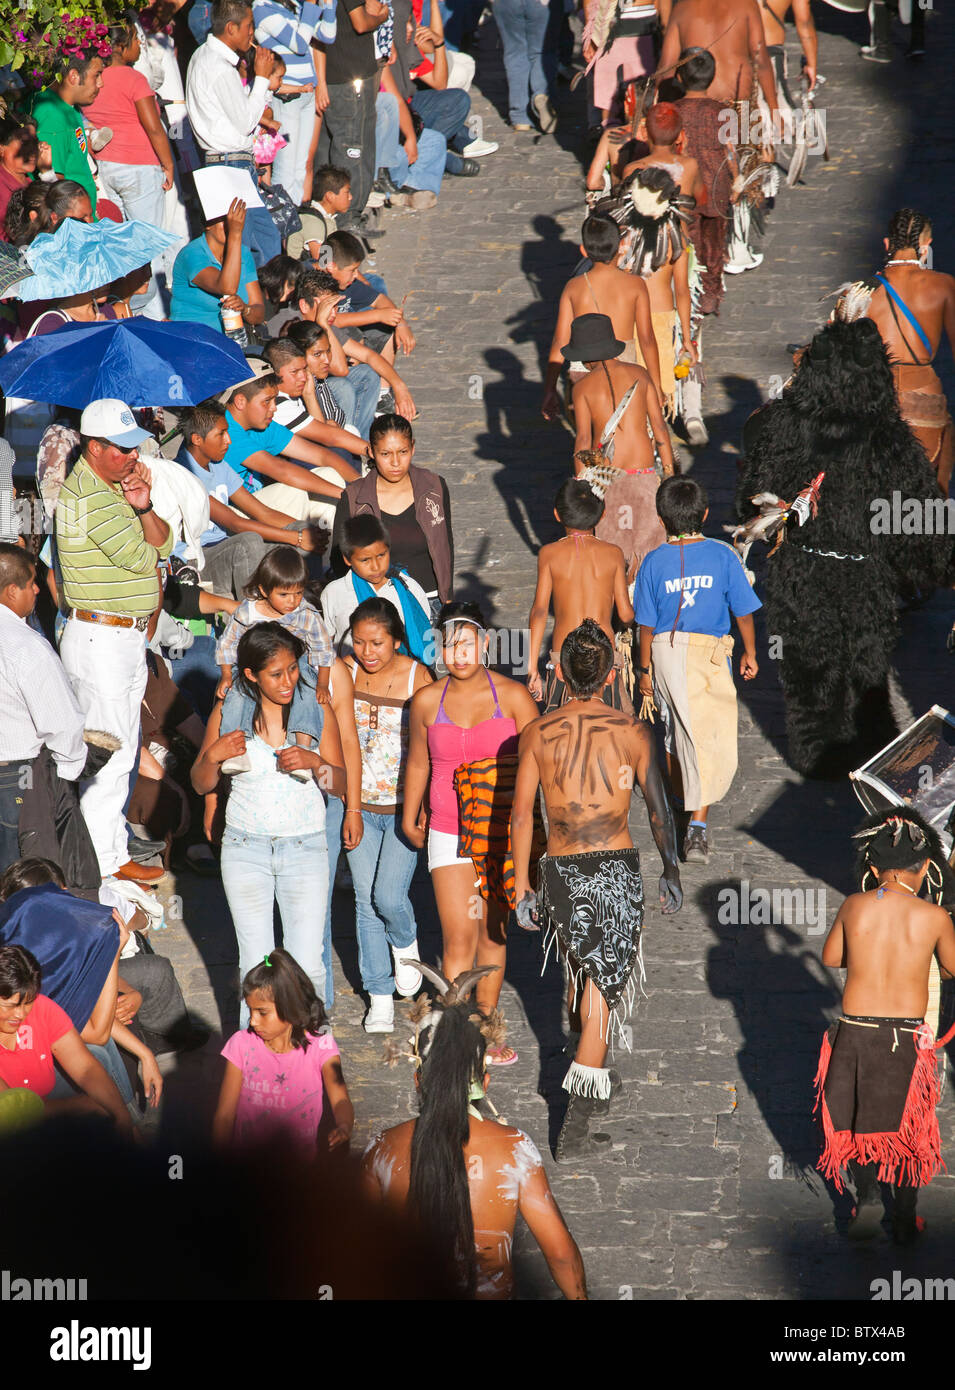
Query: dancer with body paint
[(463, 1176), (586, 759)]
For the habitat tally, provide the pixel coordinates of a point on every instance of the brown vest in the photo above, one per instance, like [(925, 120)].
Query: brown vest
[(362, 497)]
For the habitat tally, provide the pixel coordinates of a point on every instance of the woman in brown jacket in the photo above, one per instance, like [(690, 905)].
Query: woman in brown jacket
[(412, 502)]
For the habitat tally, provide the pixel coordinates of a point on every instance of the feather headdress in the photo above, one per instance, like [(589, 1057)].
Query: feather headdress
[(852, 300), (653, 209), (893, 839)]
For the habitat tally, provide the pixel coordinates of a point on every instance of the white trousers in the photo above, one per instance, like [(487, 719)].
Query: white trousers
[(107, 670), (301, 505)]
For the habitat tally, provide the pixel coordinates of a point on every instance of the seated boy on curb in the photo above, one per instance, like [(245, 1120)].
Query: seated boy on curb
[(364, 306), (297, 406), (366, 550), (276, 593), (241, 528), (356, 370), (686, 591), (582, 577), (331, 199), (259, 449)]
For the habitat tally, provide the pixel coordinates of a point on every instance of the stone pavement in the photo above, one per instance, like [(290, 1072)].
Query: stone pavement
[(704, 1188)]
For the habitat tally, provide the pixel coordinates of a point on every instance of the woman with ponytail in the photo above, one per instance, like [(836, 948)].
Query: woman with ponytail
[(464, 1177)]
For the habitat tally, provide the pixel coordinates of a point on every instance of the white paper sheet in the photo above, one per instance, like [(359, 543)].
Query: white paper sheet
[(218, 184)]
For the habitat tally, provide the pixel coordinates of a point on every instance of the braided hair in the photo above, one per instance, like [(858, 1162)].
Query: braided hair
[(586, 659), (906, 229)]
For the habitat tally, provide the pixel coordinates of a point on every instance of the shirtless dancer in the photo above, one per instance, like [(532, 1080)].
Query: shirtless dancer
[(463, 1177), (669, 286), (668, 277), (603, 289), (877, 1086), (629, 520), (585, 758), (732, 30), (702, 119), (664, 128), (582, 577), (929, 296)]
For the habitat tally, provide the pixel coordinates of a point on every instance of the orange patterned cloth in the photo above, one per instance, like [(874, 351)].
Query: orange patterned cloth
[(485, 791)]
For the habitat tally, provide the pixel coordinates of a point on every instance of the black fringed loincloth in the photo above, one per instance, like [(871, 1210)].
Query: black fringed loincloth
[(592, 906)]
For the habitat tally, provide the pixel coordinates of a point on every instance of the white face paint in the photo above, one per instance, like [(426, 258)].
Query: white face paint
[(513, 1176), (382, 1162)]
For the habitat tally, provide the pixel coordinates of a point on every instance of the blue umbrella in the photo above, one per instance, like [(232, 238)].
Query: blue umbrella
[(81, 256), (139, 361)]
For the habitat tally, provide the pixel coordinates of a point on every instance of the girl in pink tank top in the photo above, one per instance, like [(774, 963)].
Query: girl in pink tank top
[(450, 745), (470, 716)]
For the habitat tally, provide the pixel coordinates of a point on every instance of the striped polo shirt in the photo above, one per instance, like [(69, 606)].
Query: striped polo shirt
[(106, 562)]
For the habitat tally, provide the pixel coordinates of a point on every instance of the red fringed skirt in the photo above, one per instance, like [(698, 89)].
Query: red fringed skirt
[(876, 1091)]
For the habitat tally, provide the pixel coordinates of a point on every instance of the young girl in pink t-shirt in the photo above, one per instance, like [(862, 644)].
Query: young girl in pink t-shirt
[(279, 1070)]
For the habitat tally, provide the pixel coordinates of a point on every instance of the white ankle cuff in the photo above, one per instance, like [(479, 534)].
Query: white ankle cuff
[(588, 1081)]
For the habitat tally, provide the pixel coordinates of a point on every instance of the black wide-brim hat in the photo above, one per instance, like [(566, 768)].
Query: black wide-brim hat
[(592, 339)]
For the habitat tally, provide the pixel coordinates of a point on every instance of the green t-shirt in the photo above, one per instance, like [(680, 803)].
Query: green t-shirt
[(61, 126)]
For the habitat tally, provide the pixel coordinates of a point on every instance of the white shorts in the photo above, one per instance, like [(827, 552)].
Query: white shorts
[(443, 851)]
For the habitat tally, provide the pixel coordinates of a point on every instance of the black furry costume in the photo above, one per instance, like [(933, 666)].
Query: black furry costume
[(837, 617)]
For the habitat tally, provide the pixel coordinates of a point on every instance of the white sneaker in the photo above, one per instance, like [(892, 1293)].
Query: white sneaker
[(696, 432), (243, 763), (380, 1018), (737, 267), (478, 148), (376, 199), (407, 979)]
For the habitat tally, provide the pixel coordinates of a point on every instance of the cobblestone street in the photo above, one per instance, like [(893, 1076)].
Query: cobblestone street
[(705, 1187)]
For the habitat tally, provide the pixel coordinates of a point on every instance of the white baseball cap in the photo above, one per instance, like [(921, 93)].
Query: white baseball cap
[(113, 420)]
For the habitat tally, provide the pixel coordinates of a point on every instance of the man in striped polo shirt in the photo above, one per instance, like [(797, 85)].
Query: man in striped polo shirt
[(109, 542)]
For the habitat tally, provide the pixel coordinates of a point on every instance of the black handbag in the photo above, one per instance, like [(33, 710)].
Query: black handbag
[(282, 210)]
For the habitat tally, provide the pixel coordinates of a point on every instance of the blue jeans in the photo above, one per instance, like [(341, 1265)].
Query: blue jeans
[(334, 816), (257, 871), (446, 112), (111, 1062), (522, 25), (12, 782), (197, 675), (137, 190), (305, 714), (382, 868), (428, 169), (259, 233), (357, 394), (347, 139)]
